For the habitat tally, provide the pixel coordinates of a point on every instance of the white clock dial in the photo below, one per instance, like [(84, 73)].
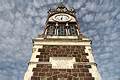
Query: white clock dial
[(61, 17)]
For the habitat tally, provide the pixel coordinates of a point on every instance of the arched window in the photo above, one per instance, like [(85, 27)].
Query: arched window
[(61, 30), (72, 30), (51, 30)]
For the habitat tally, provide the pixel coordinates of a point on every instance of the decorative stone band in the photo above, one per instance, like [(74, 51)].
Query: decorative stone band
[(82, 63), (86, 63), (62, 43), (63, 37)]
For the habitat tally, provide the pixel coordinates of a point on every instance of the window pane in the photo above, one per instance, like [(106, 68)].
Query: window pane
[(51, 30), (72, 30), (61, 31)]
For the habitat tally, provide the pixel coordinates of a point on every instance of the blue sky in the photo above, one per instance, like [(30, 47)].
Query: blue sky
[(22, 20)]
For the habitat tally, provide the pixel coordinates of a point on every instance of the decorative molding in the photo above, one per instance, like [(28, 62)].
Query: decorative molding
[(82, 63)]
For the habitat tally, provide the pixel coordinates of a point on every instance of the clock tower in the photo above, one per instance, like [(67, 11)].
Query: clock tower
[(62, 52)]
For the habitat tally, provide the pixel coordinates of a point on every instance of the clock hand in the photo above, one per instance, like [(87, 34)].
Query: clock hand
[(61, 18)]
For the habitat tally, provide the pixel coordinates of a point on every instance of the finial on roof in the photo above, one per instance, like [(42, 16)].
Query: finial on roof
[(61, 8), (61, 5)]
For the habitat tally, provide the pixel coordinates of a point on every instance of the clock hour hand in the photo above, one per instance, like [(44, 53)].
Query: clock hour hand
[(61, 18)]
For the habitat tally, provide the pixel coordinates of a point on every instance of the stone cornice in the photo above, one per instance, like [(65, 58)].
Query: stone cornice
[(77, 63)]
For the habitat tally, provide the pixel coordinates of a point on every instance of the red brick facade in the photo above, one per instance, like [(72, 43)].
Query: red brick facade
[(79, 72)]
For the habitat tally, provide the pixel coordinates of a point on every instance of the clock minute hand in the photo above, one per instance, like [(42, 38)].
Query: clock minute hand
[(61, 18)]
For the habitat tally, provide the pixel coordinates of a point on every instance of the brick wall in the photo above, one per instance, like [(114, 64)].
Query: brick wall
[(79, 72)]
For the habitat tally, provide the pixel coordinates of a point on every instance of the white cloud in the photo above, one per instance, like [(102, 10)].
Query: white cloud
[(6, 5), (118, 16), (88, 18), (91, 6)]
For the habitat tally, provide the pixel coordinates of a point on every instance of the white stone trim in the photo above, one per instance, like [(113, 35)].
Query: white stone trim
[(90, 55), (85, 39), (39, 63), (63, 37), (31, 65), (34, 54), (78, 32), (29, 72), (45, 31), (93, 70), (61, 43), (36, 46), (33, 57), (83, 63)]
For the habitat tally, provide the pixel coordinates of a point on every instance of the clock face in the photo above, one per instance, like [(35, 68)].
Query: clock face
[(61, 17)]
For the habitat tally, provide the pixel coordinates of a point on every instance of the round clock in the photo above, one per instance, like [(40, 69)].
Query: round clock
[(61, 17)]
